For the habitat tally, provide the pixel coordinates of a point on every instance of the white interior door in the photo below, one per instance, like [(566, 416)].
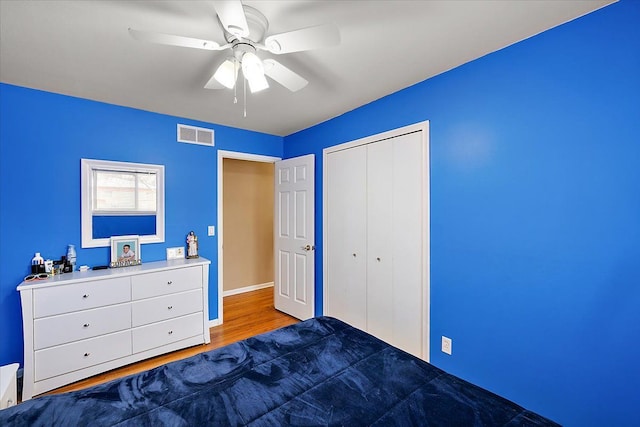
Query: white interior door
[(294, 237)]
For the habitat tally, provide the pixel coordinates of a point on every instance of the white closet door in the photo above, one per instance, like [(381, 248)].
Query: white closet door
[(377, 236), (407, 236), (394, 235), (346, 236), (380, 225)]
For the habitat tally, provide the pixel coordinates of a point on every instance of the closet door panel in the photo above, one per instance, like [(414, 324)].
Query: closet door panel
[(380, 226), (408, 297), (346, 236)]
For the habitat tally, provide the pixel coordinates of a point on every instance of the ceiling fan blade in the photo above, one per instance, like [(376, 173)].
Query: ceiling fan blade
[(232, 17), (303, 39), (171, 40), (281, 74)]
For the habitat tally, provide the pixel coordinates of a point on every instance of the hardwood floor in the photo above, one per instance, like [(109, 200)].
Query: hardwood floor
[(245, 315)]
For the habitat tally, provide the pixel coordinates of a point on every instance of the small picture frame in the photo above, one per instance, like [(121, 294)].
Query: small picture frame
[(125, 251)]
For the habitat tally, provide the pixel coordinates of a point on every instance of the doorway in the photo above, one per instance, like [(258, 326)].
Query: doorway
[(241, 240)]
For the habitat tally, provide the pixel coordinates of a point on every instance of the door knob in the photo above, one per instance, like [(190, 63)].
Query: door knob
[(308, 248)]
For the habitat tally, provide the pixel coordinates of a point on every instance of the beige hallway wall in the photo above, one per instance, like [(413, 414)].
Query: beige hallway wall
[(248, 223)]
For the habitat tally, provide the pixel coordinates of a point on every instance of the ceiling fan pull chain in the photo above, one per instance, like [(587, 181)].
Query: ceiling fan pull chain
[(235, 86), (244, 81)]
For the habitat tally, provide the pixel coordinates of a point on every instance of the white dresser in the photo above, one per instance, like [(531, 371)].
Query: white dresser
[(84, 323)]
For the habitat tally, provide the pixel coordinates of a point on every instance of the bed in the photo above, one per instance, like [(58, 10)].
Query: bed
[(319, 372)]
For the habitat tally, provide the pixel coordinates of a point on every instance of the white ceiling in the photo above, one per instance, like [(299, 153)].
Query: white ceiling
[(83, 49)]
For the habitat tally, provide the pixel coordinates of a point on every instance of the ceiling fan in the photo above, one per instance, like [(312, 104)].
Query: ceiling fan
[(244, 30)]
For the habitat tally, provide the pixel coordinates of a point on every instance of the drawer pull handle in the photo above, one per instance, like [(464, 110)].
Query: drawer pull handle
[(169, 282), (85, 296), (86, 325), (87, 354), (170, 332), (170, 307)]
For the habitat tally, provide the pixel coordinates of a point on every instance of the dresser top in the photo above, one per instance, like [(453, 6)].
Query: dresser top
[(108, 273)]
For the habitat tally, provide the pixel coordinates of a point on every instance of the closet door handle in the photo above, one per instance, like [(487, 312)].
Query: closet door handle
[(308, 248)]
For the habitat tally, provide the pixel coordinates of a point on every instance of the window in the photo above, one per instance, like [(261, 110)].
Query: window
[(121, 199), (124, 192)]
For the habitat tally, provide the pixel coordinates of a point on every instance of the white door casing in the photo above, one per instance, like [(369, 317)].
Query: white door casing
[(294, 241)]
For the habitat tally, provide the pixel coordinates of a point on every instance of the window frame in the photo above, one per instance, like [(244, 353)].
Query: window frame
[(88, 166)]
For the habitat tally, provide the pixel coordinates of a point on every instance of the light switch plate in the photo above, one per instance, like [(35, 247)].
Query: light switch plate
[(175, 253), (211, 230)]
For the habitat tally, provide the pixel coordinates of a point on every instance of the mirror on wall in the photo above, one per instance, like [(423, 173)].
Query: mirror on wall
[(120, 199)]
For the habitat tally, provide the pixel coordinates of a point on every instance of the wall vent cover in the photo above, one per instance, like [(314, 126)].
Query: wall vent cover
[(195, 135)]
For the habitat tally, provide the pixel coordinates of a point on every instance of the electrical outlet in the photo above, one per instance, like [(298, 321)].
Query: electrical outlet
[(446, 345), (175, 253)]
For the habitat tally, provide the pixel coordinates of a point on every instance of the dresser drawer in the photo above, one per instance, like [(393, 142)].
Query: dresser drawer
[(81, 354), (65, 328), (80, 296), (166, 307), (168, 331), (166, 282)]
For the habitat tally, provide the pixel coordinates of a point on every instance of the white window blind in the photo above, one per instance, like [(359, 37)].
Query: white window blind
[(124, 191)]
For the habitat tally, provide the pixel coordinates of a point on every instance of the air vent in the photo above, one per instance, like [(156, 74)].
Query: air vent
[(195, 135)]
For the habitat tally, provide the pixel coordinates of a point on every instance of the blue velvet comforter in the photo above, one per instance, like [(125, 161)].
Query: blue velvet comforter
[(316, 373)]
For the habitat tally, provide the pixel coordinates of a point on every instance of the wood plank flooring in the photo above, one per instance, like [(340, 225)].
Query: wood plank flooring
[(245, 315)]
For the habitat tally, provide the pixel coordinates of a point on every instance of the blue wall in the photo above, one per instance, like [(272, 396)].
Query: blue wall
[(535, 214), (43, 136)]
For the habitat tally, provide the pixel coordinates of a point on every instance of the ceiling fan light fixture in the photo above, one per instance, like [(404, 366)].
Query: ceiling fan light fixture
[(253, 71), (227, 74), (257, 84)]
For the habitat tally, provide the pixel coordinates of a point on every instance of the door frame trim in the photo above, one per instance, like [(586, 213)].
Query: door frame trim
[(224, 154), (426, 217)]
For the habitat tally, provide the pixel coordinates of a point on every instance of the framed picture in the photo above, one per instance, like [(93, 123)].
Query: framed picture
[(125, 251)]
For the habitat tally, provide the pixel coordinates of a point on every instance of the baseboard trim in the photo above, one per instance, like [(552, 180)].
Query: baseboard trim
[(214, 322), (247, 289)]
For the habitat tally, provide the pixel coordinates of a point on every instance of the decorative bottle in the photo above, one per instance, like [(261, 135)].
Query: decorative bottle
[(36, 261), (71, 256)]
